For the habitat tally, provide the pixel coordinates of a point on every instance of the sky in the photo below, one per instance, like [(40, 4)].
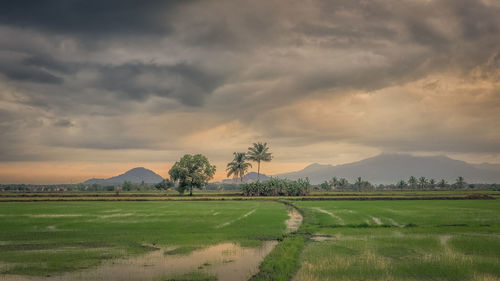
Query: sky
[(94, 88)]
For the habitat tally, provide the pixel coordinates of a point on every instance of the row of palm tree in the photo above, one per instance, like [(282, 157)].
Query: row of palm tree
[(258, 152), (423, 183)]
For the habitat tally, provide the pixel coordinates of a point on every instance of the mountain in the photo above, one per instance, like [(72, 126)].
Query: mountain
[(136, 175), (250, 177), (389, 168)]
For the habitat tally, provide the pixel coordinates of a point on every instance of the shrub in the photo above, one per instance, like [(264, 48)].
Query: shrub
[(277, 187)]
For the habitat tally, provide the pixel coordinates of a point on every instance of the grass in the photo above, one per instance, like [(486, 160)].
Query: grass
[(282, 263), (53, 237), (363, 240), (234, 195), (401, 240)]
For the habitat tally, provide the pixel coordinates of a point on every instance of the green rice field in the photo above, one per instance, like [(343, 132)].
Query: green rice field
[(338, 240), (401, 240)]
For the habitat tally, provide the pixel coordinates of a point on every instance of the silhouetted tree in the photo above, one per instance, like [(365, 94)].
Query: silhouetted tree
[(239, 166), (259, 152)]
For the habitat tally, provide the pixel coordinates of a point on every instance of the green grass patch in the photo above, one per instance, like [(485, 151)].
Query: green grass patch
[(52, 237), (282, 263)]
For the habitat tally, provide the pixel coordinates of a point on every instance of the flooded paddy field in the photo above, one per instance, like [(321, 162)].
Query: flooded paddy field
[(138, 240), (235, 240), (401, 240)]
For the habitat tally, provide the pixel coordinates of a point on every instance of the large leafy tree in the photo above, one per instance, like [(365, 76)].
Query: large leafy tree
[(239, 166), (259, 152), (192, 171)]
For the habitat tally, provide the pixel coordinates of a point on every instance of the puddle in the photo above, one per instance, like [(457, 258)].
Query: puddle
[(295, 220), (227, 261)]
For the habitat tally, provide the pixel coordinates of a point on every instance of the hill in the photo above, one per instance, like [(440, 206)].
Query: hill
[(389, 168), (250, 177), (135, 175)]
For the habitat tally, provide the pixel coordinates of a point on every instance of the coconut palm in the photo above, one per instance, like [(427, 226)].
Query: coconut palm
[(259, 153), (401, 184), (343, 183), (334, 182), (442, 183), (239, 166), (432, 183), (412, 181), (422, 182), (359, 183), (460, 183)]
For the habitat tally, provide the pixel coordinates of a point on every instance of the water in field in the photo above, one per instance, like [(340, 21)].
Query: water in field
[(227, 261), (294, 221)]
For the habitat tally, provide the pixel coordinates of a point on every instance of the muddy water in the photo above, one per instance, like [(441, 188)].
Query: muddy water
[(295, 220), (227, 261)]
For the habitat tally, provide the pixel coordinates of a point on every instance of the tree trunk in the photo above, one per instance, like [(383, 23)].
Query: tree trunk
[(191, 190), (258, 171)]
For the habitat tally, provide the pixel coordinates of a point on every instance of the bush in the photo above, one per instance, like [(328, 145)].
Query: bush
[(277, 187)]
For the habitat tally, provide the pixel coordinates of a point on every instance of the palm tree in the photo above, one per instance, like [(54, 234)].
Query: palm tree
[(358, 183), (460, 183), (343, 183), (239, 166), (412, 181), (257, 153), (432, 183), (442, 183), (423, 182), (334, 182), (401, 184)]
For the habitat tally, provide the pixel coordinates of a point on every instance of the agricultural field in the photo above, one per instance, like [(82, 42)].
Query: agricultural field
[(401, 240), (51, 238), (228, 239)]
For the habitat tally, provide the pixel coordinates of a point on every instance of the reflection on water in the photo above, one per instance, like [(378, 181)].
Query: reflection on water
[(295, 220), (227, 261)]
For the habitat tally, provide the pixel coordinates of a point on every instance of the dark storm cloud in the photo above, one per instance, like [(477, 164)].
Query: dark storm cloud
[(184, 82), (30, 74), (236, 60), (90, 17)]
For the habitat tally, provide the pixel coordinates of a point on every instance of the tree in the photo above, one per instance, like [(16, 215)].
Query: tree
[(442, 183), (334, 183), (412, 181), (358, 183), (422, 181), (401, 184), (192, 171), (259, 153), (432, 183), (343, 183), (164, 184), (460, 183), (239, 166), (128, 186)]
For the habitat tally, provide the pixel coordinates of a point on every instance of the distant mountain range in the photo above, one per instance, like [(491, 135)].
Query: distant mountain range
[(390, 168), (250, 177), (136, 175)]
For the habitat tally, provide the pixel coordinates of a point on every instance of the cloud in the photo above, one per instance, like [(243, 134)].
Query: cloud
[(166, 77), (90, 17)]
